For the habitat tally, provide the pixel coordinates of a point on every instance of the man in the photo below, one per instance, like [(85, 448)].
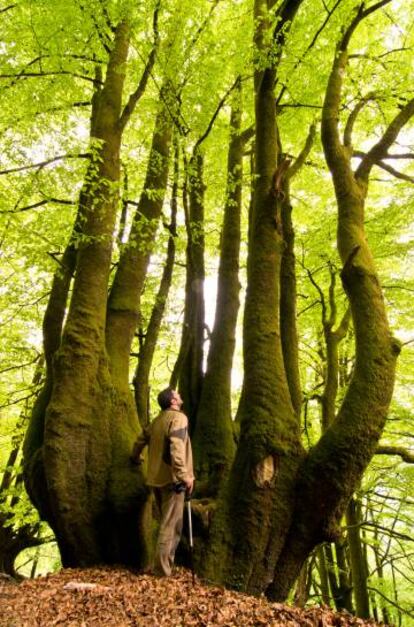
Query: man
[(170, 473)]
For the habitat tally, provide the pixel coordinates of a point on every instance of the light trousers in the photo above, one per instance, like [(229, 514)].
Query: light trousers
[(171, 507)]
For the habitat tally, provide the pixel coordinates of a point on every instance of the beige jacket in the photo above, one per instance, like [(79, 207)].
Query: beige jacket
[(170, 457)]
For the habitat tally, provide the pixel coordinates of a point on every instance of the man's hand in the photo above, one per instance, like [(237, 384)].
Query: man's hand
[(189, 485)]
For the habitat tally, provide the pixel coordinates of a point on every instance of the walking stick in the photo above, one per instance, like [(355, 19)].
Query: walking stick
[(190, 534)]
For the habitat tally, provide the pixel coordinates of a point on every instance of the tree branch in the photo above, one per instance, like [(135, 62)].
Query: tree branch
[(106, 16), (303, 155), (309, 48), (320, 291), (349, 127), (195, 38), (386, 166), (247, 134), (47, 74), (399, 608), (336, 154), (103, 37), (401, 155), (40, 203), (405, 454), (343, 327), (11, 6), (362, 13), (137, 94), (394, 172), (42, 164), (214, 116), (28, 363), (285, 15), (297, 105), (380, 149)]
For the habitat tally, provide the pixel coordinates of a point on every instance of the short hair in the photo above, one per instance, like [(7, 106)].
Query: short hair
[(165, 398)]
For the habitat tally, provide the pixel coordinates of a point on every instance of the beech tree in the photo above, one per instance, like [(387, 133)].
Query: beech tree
[(72, 422), (280, 503), (224, 174)]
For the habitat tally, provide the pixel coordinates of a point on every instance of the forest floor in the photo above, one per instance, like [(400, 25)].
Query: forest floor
[(117, 597)]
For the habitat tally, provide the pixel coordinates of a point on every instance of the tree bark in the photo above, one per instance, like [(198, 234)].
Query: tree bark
[(53, 321), (288, 323), (334, 466), (146, 354), (77, 463), (254, 515), (213, 437), (124, 299), (189, 370), (288, 327)]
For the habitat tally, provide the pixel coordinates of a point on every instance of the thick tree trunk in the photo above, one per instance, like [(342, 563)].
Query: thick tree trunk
[(77, 434), (213, 437), (254, 515), (334, 466), (53, 321), (77, 463)]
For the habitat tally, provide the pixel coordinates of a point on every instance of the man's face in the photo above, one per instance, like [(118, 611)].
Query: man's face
[(176, 400)]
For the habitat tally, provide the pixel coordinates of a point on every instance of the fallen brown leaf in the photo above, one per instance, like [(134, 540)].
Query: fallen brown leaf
[(116, 597)]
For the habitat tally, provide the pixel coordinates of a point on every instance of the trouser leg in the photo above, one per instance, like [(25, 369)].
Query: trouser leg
[(171, 506)]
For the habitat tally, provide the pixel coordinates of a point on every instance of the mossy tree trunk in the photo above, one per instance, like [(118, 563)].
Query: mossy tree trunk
[(288, 324), (188, 371), (340, 573), (84, 423), (213, 437), (280, 503), (337, 569), (254, 513), (124, 298), (333, 468), (146, 353)]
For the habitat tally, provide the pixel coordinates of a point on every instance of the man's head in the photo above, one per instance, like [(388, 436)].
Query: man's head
[(169, 399)]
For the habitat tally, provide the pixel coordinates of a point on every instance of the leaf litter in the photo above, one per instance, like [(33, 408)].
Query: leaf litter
[(116, 597)]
